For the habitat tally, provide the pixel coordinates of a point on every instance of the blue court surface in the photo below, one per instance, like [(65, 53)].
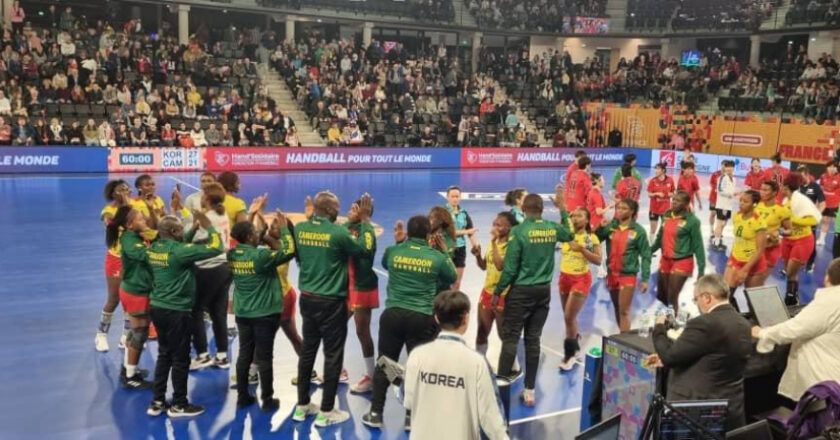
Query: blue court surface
[(58, 387)]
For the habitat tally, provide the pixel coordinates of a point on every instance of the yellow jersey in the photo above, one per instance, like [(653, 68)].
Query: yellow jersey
[(283, 272), (141, 206), (772, 216), (493, 274), (746, 231), (111, 210), (573, 262), (799, 227), (233, 206)]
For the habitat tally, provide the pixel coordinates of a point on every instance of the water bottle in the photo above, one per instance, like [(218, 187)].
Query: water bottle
[(644, 328)]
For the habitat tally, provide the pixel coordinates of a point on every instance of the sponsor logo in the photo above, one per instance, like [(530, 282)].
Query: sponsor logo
[(221, 158), (669, 158), (29, 160), (806, 153), (750, 140), (471, 157), (137, 158), (255, 159)]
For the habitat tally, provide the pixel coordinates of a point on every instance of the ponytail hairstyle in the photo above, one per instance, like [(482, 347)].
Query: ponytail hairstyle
[(215, 195), (513, 195), (118, 224)]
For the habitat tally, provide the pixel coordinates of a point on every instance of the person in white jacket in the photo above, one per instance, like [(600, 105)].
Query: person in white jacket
[(452, 400), (727, 195), (815, 337)]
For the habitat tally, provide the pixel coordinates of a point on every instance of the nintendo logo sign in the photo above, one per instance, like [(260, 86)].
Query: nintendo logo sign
[(749, 140)]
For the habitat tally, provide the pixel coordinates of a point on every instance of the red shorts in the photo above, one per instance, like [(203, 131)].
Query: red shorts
[(618, 281), (289, 304), (772, 255), (358, 299), (134, 305), (578, 283), (799, 249), (486, 301), (684, 266), (759, 268), (113, 266)]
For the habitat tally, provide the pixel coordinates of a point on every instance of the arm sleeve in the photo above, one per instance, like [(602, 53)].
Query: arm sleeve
[(694, 342), (804, 221), (564, 234), (134, 250), (447, 274), (699, 249), (644, 254), (603, 233), (190, 253), (809, 323), (385, 258), (489, 405), (355, 247), (820, 194), (269, 260), (469, 224), (512, 262)]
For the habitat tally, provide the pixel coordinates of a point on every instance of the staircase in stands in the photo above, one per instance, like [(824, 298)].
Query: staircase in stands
[(279, 91), (530, 126)]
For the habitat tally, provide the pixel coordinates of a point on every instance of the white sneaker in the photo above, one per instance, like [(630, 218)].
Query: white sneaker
[(122, 341), (303, 411), (364, 385), (101, 341), (333, 417), (602, 273), (344, 377), (201, 361)]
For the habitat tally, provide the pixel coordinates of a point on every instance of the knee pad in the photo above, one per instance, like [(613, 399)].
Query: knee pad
[(137, 337)]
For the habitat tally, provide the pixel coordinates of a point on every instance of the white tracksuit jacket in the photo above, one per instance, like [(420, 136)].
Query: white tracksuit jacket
[(451, 392)]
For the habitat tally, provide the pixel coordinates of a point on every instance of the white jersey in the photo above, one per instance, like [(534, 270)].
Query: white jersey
[(802, 206), (447, 381), (221, 223), (726, 190), (193, 201)]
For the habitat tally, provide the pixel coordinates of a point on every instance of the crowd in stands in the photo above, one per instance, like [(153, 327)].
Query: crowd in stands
[(420, 10), (371, 96), (813, 11), (692, 15), (96, 82), (539, 15)]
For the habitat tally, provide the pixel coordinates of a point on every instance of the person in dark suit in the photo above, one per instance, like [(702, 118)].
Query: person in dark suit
[(708, 359)]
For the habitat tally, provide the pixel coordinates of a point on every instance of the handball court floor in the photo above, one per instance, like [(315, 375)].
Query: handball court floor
[(58, 387)]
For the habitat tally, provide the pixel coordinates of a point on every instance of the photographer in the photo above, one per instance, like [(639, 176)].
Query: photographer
[(434, 384)]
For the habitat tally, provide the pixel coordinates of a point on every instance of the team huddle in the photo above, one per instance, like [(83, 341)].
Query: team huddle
[(172, 268)]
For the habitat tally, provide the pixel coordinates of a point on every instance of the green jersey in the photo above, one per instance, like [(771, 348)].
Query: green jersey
[(172, 264), (136, 273), (628, 249), (414, 271), (529, 260), (256, 290), (364, 278), (324, 248)]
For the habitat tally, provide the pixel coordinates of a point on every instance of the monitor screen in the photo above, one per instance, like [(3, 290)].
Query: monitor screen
[(767, 306), (711, 414), (690, 58), (606, 430)]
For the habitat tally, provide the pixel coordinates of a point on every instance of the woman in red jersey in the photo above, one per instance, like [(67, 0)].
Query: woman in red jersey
[(688, 182), (713, 183), (777, 173), (597, 207), (830, 183), (756, 177), (578, 185), (117, 194), (660, 188)]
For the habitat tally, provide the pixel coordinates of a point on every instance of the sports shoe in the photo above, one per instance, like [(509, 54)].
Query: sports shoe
[(101, 342), (809, 268), (304, 411), (270, 405), (529, 397), (571, 348), (515, 375), (253, 379), (201, 361), (245, 401), (188, 410), (791, 300), (142, 372), (156, 408), (223, 363), (372, 419), (334, 417), (233, 332), (122, 341), (344, 377), (136, 382), (314, 379), (407, 423), (364, 385)]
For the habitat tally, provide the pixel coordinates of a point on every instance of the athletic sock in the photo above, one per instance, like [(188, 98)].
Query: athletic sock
[(370, 366), (792, 289), (105, 321), (481, 348), (252, 370), (516, 366), (130, 370), (221, 355)]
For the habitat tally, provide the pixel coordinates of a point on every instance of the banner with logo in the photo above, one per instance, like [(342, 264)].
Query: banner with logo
[(545, 157), (148, 159), (278, 159), (707, 163), (53, 160)]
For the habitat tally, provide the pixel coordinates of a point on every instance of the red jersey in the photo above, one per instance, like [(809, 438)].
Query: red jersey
[(594, 201), (578, 186), (660, 204), (713, 182), (628, 188), (754, 180), (831, 188), (571, 169), (778, 174), (690, 185)]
